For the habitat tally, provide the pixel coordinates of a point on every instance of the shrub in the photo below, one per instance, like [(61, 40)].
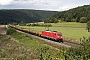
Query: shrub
[(83, 20), (10, 31), (80, 53)]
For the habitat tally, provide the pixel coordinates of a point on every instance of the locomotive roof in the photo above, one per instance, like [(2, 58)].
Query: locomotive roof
[(51, 31)]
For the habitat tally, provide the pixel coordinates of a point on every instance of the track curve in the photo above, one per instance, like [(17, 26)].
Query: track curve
[(64, 44)]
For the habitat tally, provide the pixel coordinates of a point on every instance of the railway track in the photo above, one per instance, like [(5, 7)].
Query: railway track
[(72, 44), (64, 44)]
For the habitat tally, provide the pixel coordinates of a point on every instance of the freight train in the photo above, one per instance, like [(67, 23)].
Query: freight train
[(57, 36)]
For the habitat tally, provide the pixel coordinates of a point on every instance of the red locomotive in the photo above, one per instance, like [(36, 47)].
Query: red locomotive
[(53, 35)]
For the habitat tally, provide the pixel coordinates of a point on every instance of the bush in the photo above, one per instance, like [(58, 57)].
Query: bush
[(10, 31), (83, 20), (80, 53)]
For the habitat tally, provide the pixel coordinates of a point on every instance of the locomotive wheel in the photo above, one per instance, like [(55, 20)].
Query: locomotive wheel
[(60, 41)]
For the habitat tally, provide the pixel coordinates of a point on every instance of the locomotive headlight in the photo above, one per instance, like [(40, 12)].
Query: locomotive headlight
[(61, 37)]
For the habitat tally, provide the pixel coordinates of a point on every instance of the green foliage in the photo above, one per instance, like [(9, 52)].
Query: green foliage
[(25, 16), (45, 54), (14, 23), (41, 57), (73, 54), (10, 31), (22, 58), (83, 20), (79, 53), (51, 20), (22, 24), (88, 26), (73, 15), (39, 25)]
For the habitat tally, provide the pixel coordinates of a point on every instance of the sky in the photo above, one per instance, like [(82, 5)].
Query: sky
[(51, 5)]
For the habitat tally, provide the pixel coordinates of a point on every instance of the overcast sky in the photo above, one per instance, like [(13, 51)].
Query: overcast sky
[(53, 5)]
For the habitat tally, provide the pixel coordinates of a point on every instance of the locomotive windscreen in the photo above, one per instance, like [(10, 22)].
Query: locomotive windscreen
[(59, 34)]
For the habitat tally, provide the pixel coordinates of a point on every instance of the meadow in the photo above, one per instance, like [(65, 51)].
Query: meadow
[(71, 31)]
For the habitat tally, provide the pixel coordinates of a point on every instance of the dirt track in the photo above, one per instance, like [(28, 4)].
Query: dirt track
[(2, 29)]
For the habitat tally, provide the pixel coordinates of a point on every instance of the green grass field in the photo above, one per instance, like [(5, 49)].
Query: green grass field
[(71, 30), (70, 24)]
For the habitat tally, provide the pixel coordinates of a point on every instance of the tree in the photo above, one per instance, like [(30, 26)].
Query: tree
[(15, 23), (83, 20), (88, 26), (51, 20), (74, 14)]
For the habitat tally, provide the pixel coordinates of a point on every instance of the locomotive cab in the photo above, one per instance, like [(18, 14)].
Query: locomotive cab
[(59, 37)]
